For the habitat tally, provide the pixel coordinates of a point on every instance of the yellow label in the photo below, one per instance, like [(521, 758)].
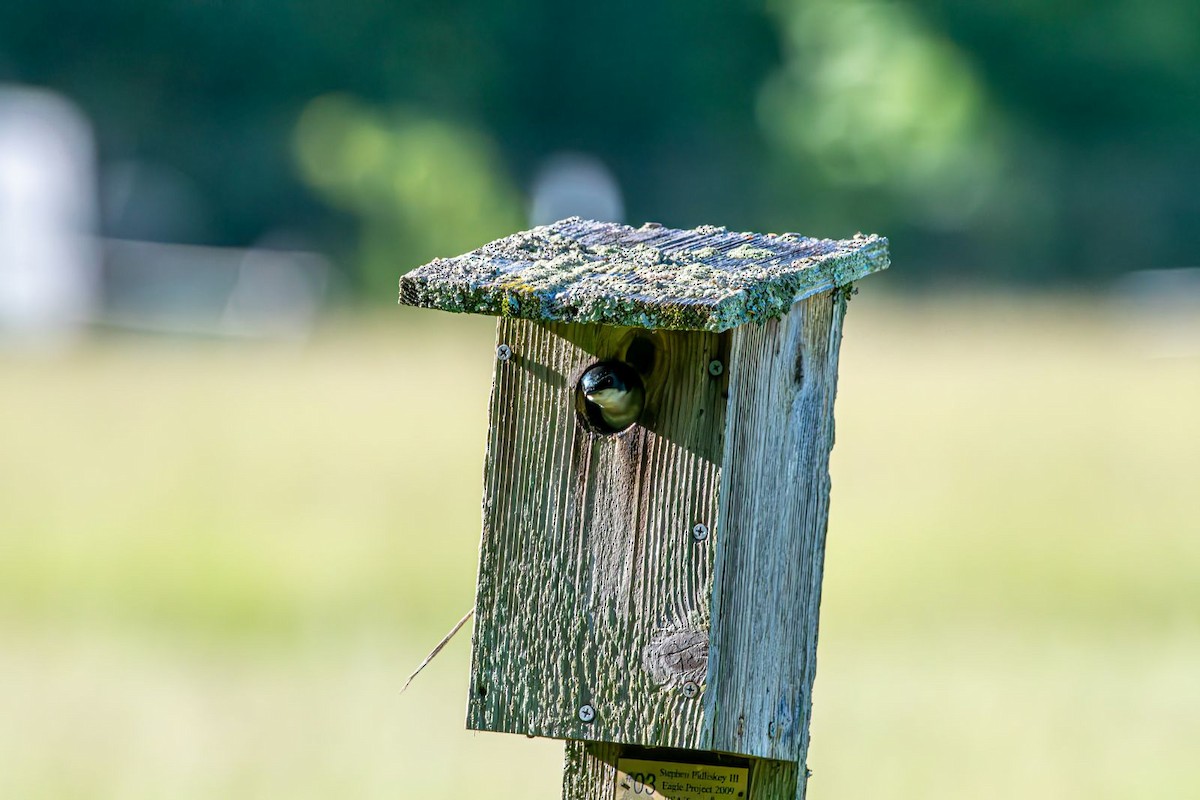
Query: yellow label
[(639, 780)]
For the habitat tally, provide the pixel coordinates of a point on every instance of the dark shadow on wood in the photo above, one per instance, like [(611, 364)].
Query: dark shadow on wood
[(668, 363)]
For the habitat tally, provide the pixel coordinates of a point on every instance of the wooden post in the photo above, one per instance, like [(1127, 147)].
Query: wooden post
[(652, 595)]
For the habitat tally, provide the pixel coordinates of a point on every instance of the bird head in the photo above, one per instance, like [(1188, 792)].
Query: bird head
[(616, 391)]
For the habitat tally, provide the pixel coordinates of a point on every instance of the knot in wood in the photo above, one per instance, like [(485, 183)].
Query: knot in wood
[(676, 656)]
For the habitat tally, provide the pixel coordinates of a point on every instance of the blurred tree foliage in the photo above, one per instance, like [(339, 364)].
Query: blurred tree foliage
[(1027, 140), (404, 175)]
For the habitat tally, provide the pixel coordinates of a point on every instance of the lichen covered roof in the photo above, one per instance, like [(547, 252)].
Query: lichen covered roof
[(651, 277)]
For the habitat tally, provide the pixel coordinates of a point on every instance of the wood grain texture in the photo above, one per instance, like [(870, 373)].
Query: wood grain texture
[(773, 518), (590, 771), (651, 277), (591, 588)]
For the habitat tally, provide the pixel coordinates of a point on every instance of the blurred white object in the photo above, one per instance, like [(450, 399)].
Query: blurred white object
[(278, 294), (262, 292), (1160, 310), (49, 265), (575, 185)]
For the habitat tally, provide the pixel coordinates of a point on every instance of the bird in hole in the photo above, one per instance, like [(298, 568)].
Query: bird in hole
[(616, 391)]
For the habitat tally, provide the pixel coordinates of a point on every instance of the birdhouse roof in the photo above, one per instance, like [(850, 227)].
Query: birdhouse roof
[(652, 277)]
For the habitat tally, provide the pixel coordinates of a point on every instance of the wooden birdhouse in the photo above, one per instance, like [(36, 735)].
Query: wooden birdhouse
[(649, 590)]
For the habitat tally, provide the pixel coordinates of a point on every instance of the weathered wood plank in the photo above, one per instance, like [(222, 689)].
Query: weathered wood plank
[(771, 536), (591, 588), (590, 770), (651, 277)]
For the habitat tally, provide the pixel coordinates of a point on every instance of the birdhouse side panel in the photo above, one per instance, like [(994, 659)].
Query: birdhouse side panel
[(774, 515), (594, 593)]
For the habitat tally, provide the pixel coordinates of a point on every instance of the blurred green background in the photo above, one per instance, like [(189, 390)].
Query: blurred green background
[(1039, 141), (239, 495)]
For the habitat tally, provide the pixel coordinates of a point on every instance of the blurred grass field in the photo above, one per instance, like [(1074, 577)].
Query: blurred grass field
[(220, 560)]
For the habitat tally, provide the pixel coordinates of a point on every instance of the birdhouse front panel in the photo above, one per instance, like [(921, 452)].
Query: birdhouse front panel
[(596, 567)]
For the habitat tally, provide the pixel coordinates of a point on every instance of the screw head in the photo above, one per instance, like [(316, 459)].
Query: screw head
[(691, 689), (715, 368), (586, 713), (504, 352), (700, 532)]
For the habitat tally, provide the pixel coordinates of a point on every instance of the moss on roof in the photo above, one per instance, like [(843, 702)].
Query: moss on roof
[(649, 277)]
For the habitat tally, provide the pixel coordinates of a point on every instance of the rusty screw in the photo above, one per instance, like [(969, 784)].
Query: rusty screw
[(700, 532), (504, 352), (586, 713)]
